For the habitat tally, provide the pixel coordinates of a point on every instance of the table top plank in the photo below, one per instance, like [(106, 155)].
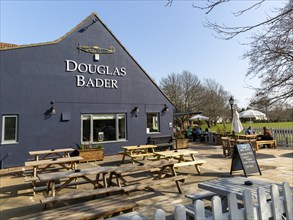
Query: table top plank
[(52, 151), (100, 169), (73, 173), (137, 147), (175, 153), (236, 185), (143, 167), (53, 161)]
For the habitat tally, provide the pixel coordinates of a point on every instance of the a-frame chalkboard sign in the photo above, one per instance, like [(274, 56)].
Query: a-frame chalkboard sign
[(244, 159)]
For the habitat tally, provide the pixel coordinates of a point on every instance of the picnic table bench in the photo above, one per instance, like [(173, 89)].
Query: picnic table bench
[(65, 152), (148, 183), (94, 209), (165, 168), (38, 164), (77, 195), (71, 176), (272, 143), (179, 155), (137, 151), (201, 195)]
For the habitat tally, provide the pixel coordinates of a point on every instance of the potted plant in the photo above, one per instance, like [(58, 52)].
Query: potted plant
[(221, 132), (181, 142), (91, 152)]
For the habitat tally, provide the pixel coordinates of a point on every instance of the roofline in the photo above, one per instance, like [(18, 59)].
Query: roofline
[(49, 42), (77, 27)]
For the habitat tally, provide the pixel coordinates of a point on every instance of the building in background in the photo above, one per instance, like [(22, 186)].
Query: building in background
[(82, 88)]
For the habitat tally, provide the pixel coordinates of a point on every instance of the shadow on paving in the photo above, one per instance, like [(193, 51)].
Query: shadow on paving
[(289, 155), (220, 156), (15, 191), (20, 211), (111, 163), (264, 156), (203, 147), (14, 174)]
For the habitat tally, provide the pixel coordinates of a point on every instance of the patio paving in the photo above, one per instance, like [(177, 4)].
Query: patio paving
[(16, 196)]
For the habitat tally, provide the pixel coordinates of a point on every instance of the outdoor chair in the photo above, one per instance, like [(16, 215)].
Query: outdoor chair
[(227, 149)]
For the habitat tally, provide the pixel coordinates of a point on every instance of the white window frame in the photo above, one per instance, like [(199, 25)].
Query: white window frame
[(15, 141), (159, 123), (117, 116)]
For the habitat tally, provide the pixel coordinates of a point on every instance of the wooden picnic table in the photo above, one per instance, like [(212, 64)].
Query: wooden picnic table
[(69, 163), (166, 168), (138, 151), (252, 143), (239, 141), (73, 175), (180, 156), (236, 185), (247, 136), (65, 152), (93, 209)]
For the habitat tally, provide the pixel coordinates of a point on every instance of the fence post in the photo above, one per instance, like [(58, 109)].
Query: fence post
[(276, 204), (248, 205), (263, 211), (180, 213), (159, 214), (288, 200), (217, 207), (199, 211), (136, 217), (233, 208)]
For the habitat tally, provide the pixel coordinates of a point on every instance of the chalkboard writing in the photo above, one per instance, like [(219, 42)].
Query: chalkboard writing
[(244, 159)]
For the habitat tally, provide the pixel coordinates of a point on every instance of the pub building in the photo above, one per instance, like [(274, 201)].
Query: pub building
[(82, 88)]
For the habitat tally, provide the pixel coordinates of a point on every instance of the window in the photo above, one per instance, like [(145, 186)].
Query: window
[(153, 122), (9, 129), (103, 127)]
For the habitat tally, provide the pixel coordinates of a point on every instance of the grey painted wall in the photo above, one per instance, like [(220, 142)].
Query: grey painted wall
[(33, 76)]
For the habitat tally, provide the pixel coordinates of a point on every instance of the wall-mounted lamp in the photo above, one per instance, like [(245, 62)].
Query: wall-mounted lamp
[(165, 109), (135, 111), (52, 108)]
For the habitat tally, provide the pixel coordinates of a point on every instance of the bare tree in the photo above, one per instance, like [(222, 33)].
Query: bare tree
[(279, 113), (183, 90), (215, 100), (271, 53), (271, 59)]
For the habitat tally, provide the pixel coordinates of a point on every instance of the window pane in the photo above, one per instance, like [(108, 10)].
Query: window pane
[(153, 122), (103, 127), (10, 128), (104, 130), (86, 129), (121, 127)]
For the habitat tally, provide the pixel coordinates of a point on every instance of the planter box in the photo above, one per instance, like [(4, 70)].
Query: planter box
[(91, 154), (181, 143)]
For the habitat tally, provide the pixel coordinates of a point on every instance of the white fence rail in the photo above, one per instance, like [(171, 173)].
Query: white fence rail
[(279, 207), (284, 136)]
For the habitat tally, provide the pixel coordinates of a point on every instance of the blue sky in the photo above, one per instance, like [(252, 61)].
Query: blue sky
[(162, 39)]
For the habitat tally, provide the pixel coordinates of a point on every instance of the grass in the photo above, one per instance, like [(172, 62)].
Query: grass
[(256, 125)]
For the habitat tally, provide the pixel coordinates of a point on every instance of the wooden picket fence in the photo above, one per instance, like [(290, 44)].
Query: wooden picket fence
[(279, 207), (283, 136)]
